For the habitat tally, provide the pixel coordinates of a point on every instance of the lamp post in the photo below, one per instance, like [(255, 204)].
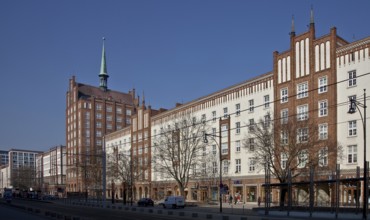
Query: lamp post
[(353, 105), (205, 140)]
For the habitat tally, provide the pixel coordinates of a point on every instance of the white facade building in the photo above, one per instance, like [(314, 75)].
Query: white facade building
[(20, 173), (353, 72)]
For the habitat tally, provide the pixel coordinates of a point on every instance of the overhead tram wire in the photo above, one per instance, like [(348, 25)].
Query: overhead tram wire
[(247, 109)]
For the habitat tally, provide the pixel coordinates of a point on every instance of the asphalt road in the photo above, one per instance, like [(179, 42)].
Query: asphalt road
[(89, 213), (9, 212)]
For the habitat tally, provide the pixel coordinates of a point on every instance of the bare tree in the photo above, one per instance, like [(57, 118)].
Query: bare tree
[(23, 178), (91, 169), (208, 174), (126, 169), (284, 145), (177, 149)]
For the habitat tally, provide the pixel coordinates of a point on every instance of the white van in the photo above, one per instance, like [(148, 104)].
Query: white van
[(174, 202)]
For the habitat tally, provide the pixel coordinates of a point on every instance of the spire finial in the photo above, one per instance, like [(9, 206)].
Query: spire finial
[(293, 28), (103, 75), (311, 17), (143, 102)]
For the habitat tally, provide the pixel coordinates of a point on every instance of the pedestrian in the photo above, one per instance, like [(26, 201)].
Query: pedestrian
[(259, 201), (230, 199)]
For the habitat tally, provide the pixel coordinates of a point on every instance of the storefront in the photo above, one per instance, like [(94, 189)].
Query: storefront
[(238, 191), (251, 193), (203, 193), (214, 193)]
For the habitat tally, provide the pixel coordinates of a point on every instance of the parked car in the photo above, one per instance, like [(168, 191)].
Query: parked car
[(174, 202), (145, 202), (160, 202)]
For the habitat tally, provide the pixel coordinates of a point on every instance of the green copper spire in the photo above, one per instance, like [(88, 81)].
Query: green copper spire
[(103, 75)]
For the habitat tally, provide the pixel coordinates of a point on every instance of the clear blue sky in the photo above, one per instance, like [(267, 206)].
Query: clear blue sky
[(173, 50)]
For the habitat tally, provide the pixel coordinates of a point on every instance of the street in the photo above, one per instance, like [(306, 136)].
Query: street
[(9, 212), (81, 210)]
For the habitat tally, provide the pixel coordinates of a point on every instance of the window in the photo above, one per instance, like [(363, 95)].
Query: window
[(237, 146), (214, 116), (251, 144), (284, 116), (352, 153), (238, 165), (98, 133), (119, 119), (323, 83), (109, 117), (237, 109), (98, 107), (213, 131), (302, 135), (302, 90), (267, 120), (352, 128), (98, 116), (251, 164), (224, 149), (251, 105), (251, 124), (119, 110), (214, 167), (225, 112), (266, 101), (284, 137), (214, 149), (237, 127), (302, 112), (109, 108), (128, 111), (224, 131), (284, 160), (109, 126), (226, 166), (323, 157), (284, 95), (323, 131), (204, 168), (352, 78), (204, 118), (98, 124), (323, 108), (302, 159)]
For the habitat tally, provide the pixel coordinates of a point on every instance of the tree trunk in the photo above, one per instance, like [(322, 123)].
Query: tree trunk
[(283, 192), (182, 190)]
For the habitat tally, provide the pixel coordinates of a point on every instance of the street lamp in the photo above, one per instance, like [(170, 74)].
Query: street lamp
[(205, 140), (352, 109)]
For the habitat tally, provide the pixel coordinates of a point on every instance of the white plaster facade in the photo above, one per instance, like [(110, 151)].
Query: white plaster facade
[(352, 59)]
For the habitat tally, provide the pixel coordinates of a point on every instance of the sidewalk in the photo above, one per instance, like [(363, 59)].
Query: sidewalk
[(252, 209), (229, 211)]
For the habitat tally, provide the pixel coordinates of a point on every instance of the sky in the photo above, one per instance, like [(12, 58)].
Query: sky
[(169, 50)]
